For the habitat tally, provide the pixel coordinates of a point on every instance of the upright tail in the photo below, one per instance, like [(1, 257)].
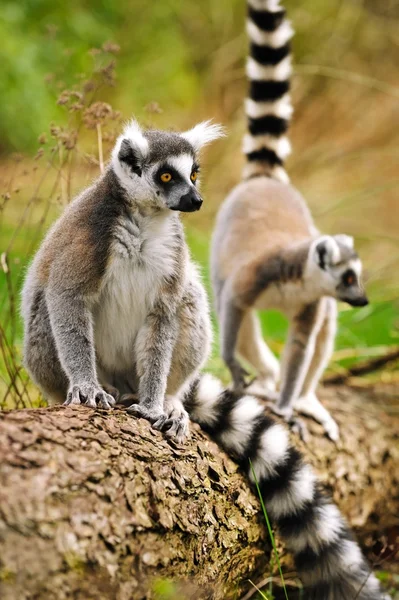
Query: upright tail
[(329, 561), (268, 106)]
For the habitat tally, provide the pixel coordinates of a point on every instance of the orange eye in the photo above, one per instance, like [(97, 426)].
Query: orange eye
[(194, 176), (166, 177), (349, 278)]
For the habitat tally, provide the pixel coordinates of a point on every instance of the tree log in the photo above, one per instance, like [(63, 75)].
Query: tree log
[(98, 505)]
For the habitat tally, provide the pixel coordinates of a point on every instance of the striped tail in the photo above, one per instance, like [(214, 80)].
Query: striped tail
[(268, 106), (329, 561)]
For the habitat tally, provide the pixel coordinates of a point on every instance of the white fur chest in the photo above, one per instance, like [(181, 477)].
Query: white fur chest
[(142, 256)]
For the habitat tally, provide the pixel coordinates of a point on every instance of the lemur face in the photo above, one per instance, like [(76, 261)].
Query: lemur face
[(161, 167), (349, 287), (175, 180), (341, 269)]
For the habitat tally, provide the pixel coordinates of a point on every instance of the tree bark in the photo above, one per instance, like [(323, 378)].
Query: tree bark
[(99, 505)]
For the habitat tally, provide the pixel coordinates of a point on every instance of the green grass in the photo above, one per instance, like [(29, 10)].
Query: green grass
[(269, 529), (164, 589)]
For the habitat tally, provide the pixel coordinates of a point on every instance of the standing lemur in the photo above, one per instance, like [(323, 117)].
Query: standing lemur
[(113, 300), (266, 251)]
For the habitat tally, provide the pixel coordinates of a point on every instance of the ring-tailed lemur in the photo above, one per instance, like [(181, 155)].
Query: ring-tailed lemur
[(113, 299), (266, 251), (109, 295)]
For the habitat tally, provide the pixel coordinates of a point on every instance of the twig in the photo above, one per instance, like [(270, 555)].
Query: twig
[(265, 582), (364, 367), (349, 76), (63, 180), (7, 351)]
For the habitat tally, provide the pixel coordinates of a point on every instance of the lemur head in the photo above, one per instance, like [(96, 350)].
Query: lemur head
[(339, 268), (162, 167)]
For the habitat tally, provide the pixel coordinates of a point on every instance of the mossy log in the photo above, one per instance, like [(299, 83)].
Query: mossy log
[(96, 505)]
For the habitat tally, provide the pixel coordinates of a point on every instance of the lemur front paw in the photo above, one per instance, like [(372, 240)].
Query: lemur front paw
[(173, 421), (151, 414), (175, 424), (90, 395), (296, 425)]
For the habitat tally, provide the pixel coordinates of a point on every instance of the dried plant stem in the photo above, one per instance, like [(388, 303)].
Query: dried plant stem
[(20, 399), (69, 176), (28, 206), (12, 303), (258, 587), (100, 147), (64, 186)]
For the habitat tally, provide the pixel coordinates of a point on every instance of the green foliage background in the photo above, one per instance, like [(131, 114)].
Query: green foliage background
[(188, 58), (181, 62)]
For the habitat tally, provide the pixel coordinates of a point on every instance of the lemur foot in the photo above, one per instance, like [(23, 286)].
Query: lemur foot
[(295, 424), (298, 426), (89, 395), (173, 421), (310, 405), (175, 424)]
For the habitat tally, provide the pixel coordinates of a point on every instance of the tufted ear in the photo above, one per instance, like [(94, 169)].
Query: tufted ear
[(202, 134), (131, 156), (326, 252), (131, 148), (345, 240)]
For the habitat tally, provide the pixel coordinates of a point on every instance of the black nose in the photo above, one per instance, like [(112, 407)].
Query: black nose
[(359, 301), (363, 301), (197, 203), (190, 202)]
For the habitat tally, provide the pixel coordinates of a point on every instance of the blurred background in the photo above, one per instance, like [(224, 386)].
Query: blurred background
[(70, 75)]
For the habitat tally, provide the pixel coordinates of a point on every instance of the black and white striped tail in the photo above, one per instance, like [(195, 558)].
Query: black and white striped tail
[(329, 561), (268, 107)]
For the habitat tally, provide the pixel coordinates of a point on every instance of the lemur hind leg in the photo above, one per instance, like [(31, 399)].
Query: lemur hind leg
[(252, 347), (308, 403), (230, 319), (297, 357), (40, 353)]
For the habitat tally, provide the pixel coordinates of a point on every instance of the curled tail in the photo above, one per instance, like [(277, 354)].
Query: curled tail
[(329, 561), (268, 107)]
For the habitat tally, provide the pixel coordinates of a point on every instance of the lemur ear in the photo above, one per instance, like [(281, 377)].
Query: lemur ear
[(345, 240), (202, 134), (327, 252), (131, 148), (130, 156)]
